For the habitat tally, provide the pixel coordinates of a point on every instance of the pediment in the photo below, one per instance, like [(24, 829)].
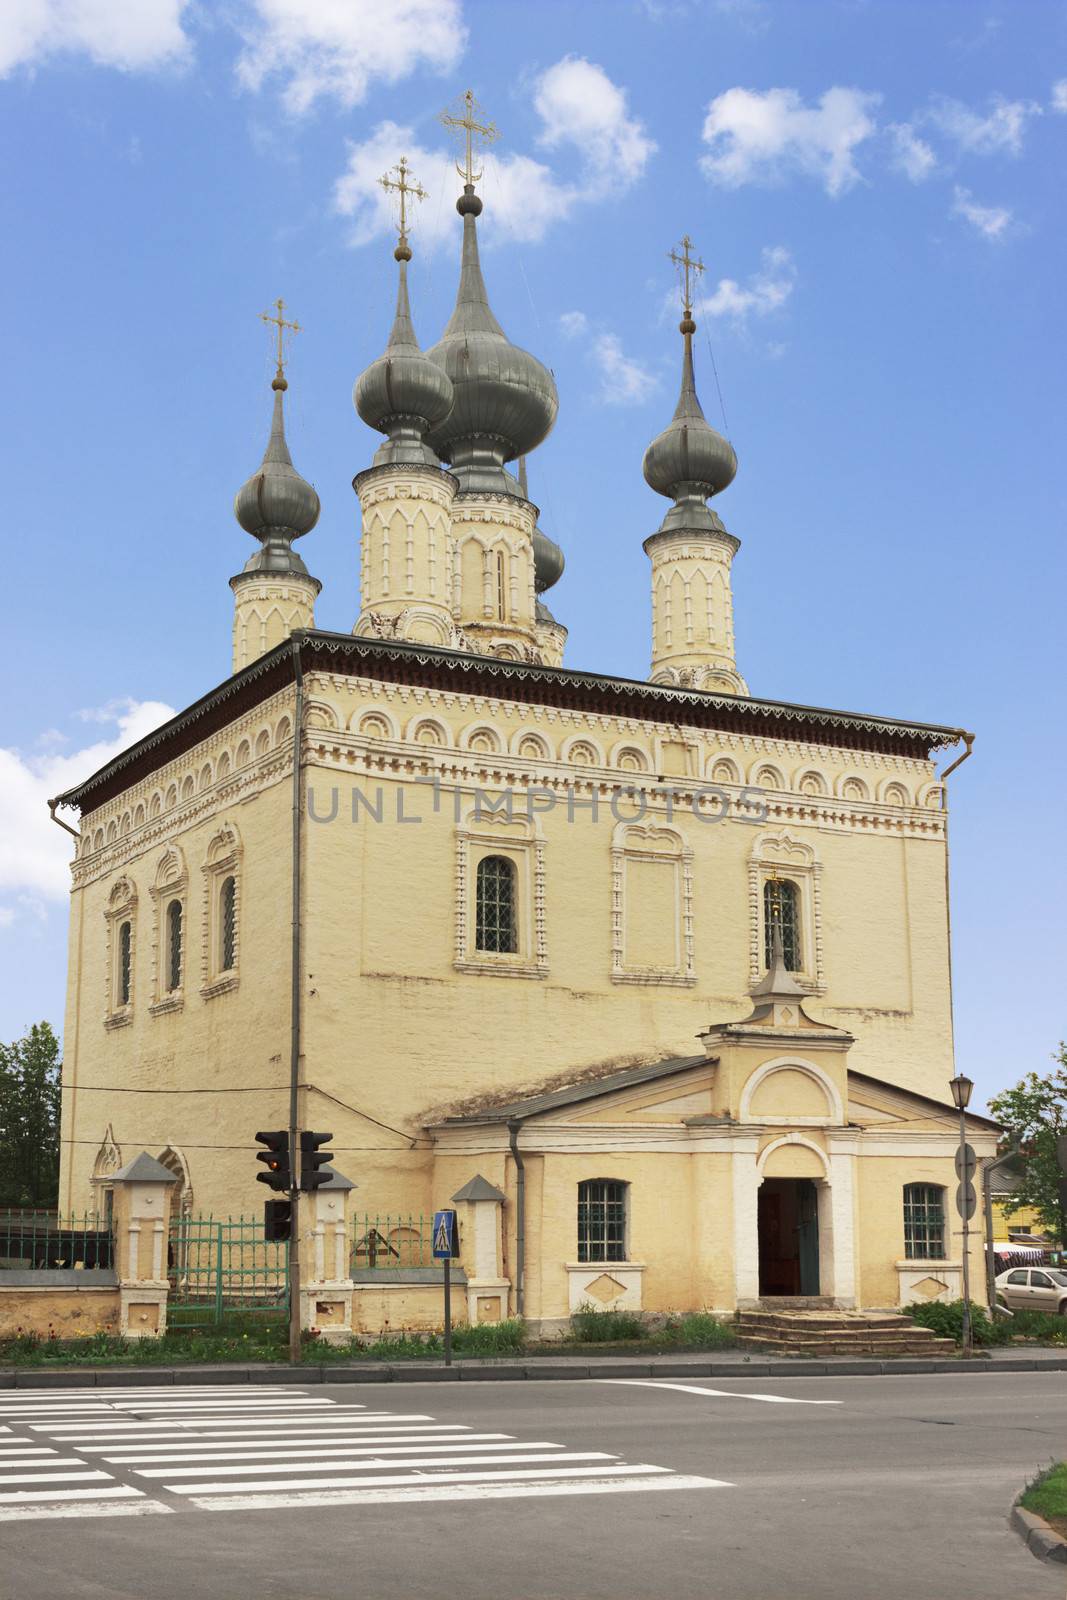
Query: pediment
[(873, 1104), (689, 1096)]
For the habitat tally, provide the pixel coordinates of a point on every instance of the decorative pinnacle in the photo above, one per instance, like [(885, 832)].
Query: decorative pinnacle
[(486, 132), (278, 321), (403, 188), (690, 268)]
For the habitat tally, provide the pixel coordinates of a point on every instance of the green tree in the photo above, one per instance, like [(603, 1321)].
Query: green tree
[(30, 1074), (1034, 1113)]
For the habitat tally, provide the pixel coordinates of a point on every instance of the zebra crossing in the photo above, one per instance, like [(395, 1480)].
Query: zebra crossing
[(136, 1452)]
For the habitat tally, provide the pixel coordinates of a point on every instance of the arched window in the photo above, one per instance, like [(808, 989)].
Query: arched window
[(496, 927), (924, 1222), (501, 587), (174, 946), (125, 962), (781, 903), (228, 924), (602, 1220)]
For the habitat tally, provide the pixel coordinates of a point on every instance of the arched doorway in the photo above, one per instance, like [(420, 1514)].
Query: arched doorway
[(787, 1223)]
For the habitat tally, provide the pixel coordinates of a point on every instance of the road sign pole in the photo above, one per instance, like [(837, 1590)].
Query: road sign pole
[(448, 1311), (966, 1340)]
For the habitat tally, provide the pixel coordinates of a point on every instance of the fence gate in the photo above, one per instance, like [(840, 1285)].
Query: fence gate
[(221, 1266)]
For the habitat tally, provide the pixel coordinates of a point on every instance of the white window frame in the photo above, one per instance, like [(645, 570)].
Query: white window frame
[(636, 841), (171, 883), (121, 908), (783, 855), (222, 860), (521, 842)]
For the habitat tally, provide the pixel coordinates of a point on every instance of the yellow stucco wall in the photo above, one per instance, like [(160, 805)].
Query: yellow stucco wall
[(1004, 1226), (880, 1223), (402, 1021), (66, 1313)]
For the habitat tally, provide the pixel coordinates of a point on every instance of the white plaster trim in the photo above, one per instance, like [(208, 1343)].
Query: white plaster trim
[(791, 1064), (793, 1138)]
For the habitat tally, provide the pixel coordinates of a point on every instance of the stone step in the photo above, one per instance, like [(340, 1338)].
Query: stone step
[(814, 1320), (827, 1344)]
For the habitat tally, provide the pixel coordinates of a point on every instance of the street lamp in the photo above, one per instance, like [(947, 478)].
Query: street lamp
[(961, 1087)]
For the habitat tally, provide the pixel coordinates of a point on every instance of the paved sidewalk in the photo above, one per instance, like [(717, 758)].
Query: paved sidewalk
[(724, 1364)]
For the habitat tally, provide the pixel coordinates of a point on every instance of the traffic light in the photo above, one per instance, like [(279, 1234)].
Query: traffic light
[(276, 1159), (277, 1220), (313, 1160)]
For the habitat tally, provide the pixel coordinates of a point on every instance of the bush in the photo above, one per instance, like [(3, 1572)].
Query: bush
[(591, 1326), (945, 1318), (699, 1329)]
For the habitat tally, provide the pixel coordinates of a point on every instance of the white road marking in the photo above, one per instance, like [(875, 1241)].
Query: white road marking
[(84, 1475), (725, 1394), (180, 1426), (90, 1508), (171, 1441), (288, 1451), (558, 1475), (116, 1492), (557, 1453), (420, 1493)]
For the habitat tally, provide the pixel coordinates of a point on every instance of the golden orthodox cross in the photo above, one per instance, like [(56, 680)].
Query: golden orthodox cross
[(485, 131), (279, 322), (399, 183), (691, 268), (776, 896)]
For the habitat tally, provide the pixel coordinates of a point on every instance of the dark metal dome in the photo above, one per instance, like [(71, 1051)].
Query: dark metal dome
[(689, 461), (505, 400), (403, 394), (276, 505)]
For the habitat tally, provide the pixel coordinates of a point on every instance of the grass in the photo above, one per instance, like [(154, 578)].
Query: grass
[(1047, 1496), (265, 1338)]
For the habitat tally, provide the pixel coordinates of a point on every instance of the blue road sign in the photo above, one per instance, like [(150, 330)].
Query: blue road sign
[(445, 1236)]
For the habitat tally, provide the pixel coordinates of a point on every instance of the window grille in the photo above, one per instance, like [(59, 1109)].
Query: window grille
[(495, 923), (781, 904), (228, 925), (924, 1222), (174, 946), (125, 962), (601, 1220)]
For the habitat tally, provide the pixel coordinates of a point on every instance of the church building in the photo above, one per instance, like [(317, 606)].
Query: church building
[(658, 968)]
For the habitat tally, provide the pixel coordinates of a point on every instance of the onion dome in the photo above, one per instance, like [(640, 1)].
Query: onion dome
[(689, 462), (548, 557), (403, 394), (276, 505), (505, 400)]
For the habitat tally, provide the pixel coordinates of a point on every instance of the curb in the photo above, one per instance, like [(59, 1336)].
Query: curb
[(553, 1368), (1040, 1539)]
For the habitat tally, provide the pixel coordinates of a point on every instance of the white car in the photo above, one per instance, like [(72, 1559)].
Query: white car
[(1033, 1289)]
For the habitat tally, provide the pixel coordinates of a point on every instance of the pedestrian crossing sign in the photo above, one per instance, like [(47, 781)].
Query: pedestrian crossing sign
[(445, 1236)]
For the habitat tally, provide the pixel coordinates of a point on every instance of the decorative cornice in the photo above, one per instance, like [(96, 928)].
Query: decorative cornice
[(429, 666)]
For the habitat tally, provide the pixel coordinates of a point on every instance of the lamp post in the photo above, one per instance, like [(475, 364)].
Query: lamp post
[(961, 1094)]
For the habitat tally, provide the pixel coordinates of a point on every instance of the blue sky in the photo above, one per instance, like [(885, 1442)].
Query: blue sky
[(877, 192)]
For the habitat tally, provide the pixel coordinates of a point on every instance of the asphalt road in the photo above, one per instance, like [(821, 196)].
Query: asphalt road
[(722, 1489)]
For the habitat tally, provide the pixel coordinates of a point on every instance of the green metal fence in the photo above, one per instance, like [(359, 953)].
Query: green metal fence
[(47, 1241), (383, 1243), (219, 1266)]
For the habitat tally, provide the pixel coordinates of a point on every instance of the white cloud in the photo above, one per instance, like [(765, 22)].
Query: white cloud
[(1059, 95), (766, 291), (34, 854), (623, 381), (521, 195), (577, 104), (574, 323), (337, 48), (911, 155), (129, 34), (1002, 130), (580, 105), (761, 137), (992, 221)]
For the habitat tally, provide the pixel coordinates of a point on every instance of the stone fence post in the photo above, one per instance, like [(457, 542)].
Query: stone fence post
[(141, 1223), (481, 1246), (326, 1285)]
